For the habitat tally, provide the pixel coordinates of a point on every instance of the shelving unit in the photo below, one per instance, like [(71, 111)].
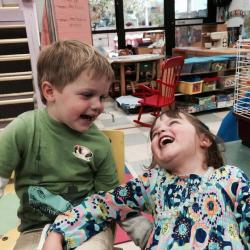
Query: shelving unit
[(198, 102), (16, 80)]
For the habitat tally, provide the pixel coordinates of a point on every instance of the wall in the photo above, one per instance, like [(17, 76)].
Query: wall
[(39, 10), (235, 5)]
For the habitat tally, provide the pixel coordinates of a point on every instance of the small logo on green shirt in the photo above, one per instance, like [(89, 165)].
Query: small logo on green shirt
[(82, 152)]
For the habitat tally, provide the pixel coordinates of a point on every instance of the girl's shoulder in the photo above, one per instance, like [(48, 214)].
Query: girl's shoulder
[(229, 172)]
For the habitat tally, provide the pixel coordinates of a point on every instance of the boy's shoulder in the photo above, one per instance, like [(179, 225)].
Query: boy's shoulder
[(30, 115), (24, 120)]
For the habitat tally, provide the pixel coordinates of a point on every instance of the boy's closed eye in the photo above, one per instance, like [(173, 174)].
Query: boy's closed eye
[(103, 97), (86, 94)]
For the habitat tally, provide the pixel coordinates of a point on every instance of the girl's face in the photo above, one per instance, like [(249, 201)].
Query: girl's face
[(176, 146)]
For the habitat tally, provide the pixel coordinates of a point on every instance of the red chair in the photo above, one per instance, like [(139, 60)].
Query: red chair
[(164, 94)]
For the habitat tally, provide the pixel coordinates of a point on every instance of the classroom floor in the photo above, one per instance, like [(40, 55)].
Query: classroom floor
[(137, 149)]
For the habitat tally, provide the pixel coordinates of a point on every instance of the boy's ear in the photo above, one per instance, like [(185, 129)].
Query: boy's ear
[(205, 142), (48, 91)]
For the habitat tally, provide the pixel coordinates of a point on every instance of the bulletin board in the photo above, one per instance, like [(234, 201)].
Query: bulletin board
[(71, 20)]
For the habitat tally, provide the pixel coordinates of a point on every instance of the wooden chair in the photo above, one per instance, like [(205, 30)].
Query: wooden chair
[(116, 138), (8, 239), (145, 75), (164, 94)]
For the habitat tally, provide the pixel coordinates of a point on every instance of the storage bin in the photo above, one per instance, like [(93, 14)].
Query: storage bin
[(187, 67), (231, 59), (201, 64), (204, 100), (190, 88), (225, 100), (209, 84), (187, 107), (219, 63), (208, 106), (226, 82)]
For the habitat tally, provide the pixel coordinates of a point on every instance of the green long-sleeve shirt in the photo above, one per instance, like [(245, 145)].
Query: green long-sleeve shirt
[(46, 153)]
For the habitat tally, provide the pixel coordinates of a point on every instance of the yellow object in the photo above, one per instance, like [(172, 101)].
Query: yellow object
[(116, 138), (8, 240), (190, 88)]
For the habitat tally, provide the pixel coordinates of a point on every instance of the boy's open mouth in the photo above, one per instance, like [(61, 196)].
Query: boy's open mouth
[(166, 140), (86, 117)]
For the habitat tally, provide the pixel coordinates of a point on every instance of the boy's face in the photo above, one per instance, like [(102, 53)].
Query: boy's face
[(176, 145), (79, 103)]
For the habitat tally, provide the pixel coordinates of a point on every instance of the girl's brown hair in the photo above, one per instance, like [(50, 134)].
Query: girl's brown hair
[(214, 157), (62, 62)]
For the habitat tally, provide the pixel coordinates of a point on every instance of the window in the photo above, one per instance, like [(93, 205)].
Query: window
[(190, 9), (143, 13), (141, 22), (102, 14), (188, 36)]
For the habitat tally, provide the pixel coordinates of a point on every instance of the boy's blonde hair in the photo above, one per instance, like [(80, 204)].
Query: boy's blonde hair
[(62, 62)]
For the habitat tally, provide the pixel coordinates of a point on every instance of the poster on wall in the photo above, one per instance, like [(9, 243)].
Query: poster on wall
[(71, 20)]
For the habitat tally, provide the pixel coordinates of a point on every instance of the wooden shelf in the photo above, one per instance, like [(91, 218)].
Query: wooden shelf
[(15, 40), (208, 72), (16, 98), (11, 26), (2, 75), (15, 78), (16, 57)]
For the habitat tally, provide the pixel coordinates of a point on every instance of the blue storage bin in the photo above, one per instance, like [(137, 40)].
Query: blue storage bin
[(187, 67), (219, 63), (231, 61), (201, 64)]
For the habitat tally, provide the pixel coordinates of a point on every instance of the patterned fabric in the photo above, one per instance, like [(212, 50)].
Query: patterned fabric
[(189, 212)]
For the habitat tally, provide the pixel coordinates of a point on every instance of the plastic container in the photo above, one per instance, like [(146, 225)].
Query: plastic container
[(187, 66), (209, 83), (224, 100), (190, 88), (231, 61), (201, 64), (226, 82), (204, 100), (219, 63)]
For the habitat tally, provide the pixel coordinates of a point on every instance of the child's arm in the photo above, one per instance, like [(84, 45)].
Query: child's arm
[(53, 241), (243, 208), (3, 183), (94, 213)]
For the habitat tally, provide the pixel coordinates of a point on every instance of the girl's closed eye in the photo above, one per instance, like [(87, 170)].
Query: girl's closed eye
[(173, 122), (154, 133)]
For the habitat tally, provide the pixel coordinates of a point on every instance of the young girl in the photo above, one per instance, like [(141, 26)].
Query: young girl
[(196, 202)]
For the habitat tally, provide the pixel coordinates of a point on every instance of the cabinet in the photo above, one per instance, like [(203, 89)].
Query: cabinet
[(16, 86), (207, 29)]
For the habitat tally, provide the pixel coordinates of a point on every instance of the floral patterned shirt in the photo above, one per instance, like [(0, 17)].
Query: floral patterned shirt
[(191, 212)]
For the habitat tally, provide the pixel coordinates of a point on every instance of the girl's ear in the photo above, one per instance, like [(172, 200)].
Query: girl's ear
[(48, 91), (205, 142)]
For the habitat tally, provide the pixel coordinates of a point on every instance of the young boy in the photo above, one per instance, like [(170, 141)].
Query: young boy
[(58, 147)]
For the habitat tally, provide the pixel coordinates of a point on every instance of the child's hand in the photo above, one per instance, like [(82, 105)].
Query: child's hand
[(53, 242)]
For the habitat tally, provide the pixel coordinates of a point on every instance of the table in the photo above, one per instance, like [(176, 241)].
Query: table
[(238, 155), (122, 60)]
